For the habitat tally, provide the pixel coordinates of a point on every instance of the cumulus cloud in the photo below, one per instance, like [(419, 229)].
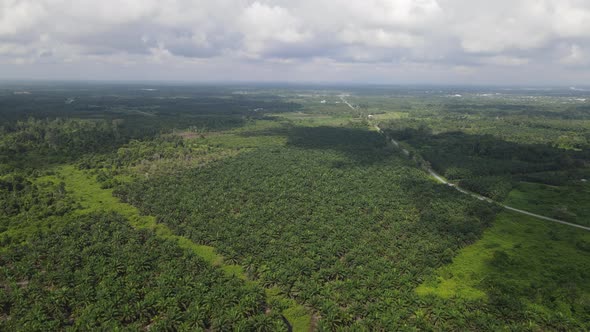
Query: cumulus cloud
[(447, 34), (576, 56), (266, 27)]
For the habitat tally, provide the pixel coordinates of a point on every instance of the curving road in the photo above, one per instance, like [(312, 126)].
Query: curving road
[(466, 192), (483, 198)]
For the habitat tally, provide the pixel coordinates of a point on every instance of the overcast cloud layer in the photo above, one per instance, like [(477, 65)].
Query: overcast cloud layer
[(395, 41)]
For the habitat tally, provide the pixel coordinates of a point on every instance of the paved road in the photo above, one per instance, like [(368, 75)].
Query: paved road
[(346, 102), (483, 198), (544, 218), (472, 194), (508, 207)]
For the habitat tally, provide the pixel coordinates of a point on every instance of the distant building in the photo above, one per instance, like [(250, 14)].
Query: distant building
[(322, 102)]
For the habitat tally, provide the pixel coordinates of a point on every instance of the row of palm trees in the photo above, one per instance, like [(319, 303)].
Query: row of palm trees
[(99, 273)]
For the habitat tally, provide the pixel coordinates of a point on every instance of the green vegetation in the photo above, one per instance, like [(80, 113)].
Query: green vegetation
[(492, 146), (92, 198), (261, 208), (569, 203), (30, 206), (523, 264), (287, 215), (98, 273)]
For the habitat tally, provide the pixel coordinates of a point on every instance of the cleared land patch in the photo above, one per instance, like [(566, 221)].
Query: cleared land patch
[(541, 265), (569, 203)]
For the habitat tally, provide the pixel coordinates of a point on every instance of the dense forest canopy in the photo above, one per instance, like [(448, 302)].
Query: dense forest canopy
[(272, 208)]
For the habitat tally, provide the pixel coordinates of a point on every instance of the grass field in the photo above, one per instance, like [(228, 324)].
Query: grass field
[(314, 119), (531, 259), (569, 203)]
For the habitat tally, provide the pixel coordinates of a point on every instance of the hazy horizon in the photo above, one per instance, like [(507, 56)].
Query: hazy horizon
[(220, 83)]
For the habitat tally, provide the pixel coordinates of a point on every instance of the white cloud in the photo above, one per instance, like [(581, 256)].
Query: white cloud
[(379, 38), (262, 25), (433, 33), (497, 26), (576, 56), (391, 13), (18, 16), (502, 60), (572, 18)]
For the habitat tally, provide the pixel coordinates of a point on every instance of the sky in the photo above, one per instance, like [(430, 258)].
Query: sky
[(510, 42)]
